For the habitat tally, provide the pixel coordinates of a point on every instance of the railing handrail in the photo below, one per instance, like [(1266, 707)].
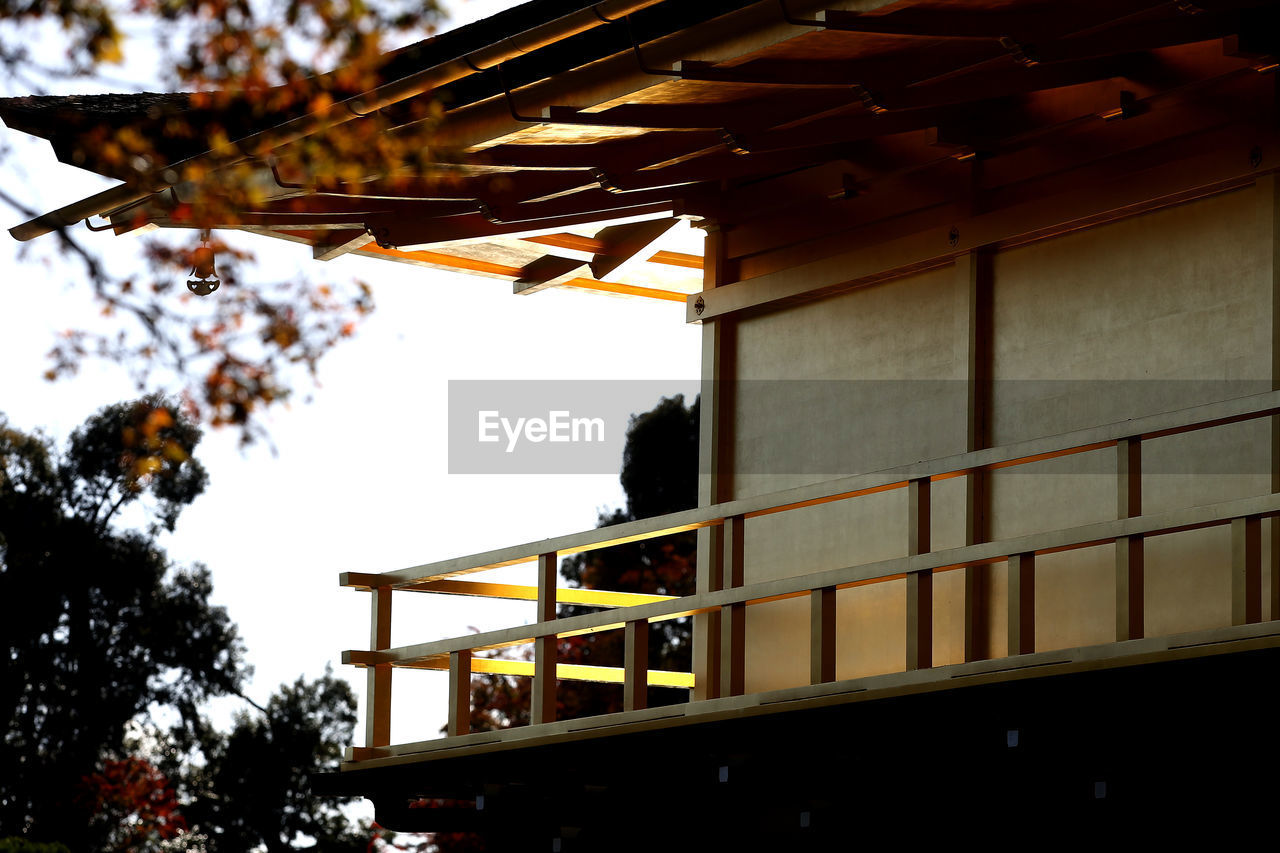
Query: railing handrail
[(1097, 533), (1018, 453)]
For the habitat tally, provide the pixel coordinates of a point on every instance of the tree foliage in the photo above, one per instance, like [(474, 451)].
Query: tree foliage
[(237, 67), (251, 789), (100, 626), (22, 845), (131, 805), (111, 652)]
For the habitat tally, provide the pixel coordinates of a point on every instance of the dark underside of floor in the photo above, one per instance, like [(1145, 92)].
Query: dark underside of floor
[(1163, 743)]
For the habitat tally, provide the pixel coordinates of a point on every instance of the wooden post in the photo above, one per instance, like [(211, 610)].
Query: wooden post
[(1246, 571), (733, 635), (1130, 550), (822, 635), (1022, 604), (713, 477), (973, 271), (708, 626), (919, 584), (1267, 190), (734, 569), (635, 685), (1130, 588), (377, 720), (543, 700), (546, 587), (733, 619), (1274, 556), (459, 693), (1129, 477)]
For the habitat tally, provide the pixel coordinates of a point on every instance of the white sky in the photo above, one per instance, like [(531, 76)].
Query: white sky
[(361, 478)]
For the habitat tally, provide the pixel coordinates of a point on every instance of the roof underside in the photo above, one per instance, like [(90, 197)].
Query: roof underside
[(572, 163)]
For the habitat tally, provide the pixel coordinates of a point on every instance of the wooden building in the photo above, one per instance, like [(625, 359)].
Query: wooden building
[(990, 303)]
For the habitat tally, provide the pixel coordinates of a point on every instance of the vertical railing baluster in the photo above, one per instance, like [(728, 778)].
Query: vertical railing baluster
[(635, 682), (822, 635), (543, 701), (1246, 571), (919, 584), (733, 618), (1022, 604), (710, 579), (460, 693), (377, 721), (1130, 550)]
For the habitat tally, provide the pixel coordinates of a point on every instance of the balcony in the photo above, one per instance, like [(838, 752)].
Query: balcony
[(724, 606), (728, 601)]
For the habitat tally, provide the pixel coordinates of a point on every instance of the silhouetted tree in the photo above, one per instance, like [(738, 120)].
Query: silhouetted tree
[(99, 626), (251, 789), (110, 652)]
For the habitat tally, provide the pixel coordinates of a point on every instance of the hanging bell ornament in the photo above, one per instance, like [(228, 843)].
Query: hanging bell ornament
[(205, 281)]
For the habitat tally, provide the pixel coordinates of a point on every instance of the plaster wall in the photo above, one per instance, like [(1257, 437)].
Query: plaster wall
[(1149, 314)]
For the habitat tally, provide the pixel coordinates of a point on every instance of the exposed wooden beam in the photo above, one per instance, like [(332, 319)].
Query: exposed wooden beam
[(1131, 39), (763, 110), (619, 245), (441, 259), (818, 73), (334, 205), (594, 200), (396, 231), (547, 271), (1017, 23), (876, 82), (655, 117), (610, 156), (910, 108), (340, 243), (589, 246), (627, 244), (494, 185)]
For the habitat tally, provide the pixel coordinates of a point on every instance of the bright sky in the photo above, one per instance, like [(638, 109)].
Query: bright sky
[(360, 480)]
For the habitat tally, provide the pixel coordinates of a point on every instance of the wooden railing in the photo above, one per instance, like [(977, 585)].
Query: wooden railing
[(632, 613)]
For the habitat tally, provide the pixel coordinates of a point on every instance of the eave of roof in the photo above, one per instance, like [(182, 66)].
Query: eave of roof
[(601, 125)]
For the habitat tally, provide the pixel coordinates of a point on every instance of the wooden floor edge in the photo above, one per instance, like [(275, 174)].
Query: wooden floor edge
[(1205, 643)]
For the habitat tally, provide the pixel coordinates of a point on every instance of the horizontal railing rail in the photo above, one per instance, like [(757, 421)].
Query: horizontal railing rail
[(430, 654), (725, 650)]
